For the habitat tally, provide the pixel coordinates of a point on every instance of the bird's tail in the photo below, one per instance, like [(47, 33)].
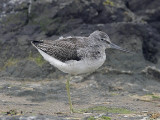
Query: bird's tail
[(36, 42)]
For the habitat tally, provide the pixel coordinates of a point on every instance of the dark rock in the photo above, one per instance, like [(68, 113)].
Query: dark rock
[(136, 5), (47, 19), (156, 25), (93, 12), (40, 117), (14, 22), (152, 72), (151, 45), (30, 69), (147, 10), (30, 29)]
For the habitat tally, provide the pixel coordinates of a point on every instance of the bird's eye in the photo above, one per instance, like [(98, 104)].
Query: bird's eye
[(108, 42)]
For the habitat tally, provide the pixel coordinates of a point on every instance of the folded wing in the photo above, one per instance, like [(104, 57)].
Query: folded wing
[(62, 50)]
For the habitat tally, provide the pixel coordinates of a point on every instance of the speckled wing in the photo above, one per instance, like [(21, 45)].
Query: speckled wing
[(63, 50)]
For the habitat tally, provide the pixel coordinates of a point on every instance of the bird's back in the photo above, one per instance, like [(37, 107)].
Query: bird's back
[(61, 49)]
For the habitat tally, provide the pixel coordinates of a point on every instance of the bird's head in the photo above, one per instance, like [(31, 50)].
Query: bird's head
[(104, 39)]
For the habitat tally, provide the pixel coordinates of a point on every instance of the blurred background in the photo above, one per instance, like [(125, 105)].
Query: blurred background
[(29, 83)]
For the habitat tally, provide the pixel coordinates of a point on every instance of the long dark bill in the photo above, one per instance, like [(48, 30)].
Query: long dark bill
[(114, 46)]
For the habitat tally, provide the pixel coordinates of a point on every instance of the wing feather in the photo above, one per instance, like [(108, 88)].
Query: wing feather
[(62, 50)]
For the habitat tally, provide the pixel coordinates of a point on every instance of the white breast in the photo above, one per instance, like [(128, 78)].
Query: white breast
[(73, 66)]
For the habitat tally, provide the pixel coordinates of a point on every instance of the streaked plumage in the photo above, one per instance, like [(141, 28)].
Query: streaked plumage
[(76, 55)]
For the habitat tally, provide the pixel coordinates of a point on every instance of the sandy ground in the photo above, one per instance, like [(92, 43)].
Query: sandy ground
[(48, 98)]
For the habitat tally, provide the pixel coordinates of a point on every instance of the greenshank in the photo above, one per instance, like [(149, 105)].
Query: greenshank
[(76, 55)]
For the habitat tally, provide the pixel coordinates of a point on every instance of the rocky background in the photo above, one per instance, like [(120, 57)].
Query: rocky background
[(26, 77)]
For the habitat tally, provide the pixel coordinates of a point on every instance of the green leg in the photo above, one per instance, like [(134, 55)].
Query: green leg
[(68, 93)]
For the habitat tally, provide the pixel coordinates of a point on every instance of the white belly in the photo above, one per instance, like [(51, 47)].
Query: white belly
[(73, 66)]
